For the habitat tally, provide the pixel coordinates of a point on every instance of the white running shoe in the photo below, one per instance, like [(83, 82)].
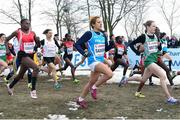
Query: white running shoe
[(33, 94), (10, 91)]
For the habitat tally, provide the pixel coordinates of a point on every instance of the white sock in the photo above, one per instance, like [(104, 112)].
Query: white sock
[(81, 99), (94, 87)]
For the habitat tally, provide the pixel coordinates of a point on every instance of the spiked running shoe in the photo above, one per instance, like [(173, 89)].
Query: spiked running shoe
[(172, 100), (33, 94), (29, 85), (123, 81), (57, 86), (10, 91), (94, 93), (140, 95), (82, 104), (76, 81), (6, 81)]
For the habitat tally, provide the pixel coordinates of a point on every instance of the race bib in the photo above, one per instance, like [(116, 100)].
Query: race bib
[(120, 51), (152, 46), (70, 50), (99, 49), (29, 47), (51, 49)]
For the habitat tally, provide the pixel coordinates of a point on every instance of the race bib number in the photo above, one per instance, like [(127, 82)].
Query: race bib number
[(152, 46), (29, 47), (51, 50), (120, 51), (99, 49), (70, 50)]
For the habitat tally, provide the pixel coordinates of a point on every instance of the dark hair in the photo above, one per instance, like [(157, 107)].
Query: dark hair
[(46, 31), (56, 35), (1, 34), (118, 38), (67, 34), (111, 36), (22, 20), (162, 35), (93, 20), (157, 32), (147, 24)]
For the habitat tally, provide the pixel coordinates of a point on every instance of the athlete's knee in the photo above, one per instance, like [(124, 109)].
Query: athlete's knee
[(163, 75), (110, 75)]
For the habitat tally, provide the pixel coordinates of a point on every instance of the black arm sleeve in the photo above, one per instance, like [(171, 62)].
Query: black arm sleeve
[(57, 44), (140, 39)]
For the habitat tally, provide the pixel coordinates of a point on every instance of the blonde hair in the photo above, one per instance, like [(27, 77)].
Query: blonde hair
[(93, 20)]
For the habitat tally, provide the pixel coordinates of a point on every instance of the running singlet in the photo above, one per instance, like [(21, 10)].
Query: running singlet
[(49, 48), (151, 45), (151, 52), (26, 41), (68, 47), (3, 52), (96, 46)]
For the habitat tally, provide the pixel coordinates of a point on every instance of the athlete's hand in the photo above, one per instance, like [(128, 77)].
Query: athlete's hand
[(87, 54)]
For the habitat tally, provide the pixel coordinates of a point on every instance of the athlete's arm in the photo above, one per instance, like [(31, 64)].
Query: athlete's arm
[(14, 34), (140, 39), (78, 45)]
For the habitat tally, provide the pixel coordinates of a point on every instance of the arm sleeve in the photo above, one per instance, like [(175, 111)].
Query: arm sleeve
[(12, 51), (109, 46), (42, 42), (57, 44), (85, 37), (140, 39)]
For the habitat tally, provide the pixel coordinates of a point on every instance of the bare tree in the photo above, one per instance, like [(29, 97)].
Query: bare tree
[(113, 11), (170, 12), (74, 17), (89, 13), (134, 20), (18, 9), (56, 13)]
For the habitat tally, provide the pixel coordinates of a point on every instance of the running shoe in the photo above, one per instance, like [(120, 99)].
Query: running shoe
[(76, 81), (82, 104), (172, 100), (139, 94), (33, 94), (57, 77), (57, 86), (6, 81), (94, 93), (10, 91), (29, 85), (123, 81)]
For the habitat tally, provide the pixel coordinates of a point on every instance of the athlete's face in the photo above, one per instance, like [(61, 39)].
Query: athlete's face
[(2, 38), (152, 28), (49, 34), (26, 25), (98, 25)]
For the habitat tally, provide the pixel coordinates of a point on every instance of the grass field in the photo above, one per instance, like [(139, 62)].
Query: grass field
[(113, 102)]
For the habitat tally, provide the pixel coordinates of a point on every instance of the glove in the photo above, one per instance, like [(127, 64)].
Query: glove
[(87, 54)]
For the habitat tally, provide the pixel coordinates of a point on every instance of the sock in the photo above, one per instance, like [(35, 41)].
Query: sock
[(80, 99), (94, 87)]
